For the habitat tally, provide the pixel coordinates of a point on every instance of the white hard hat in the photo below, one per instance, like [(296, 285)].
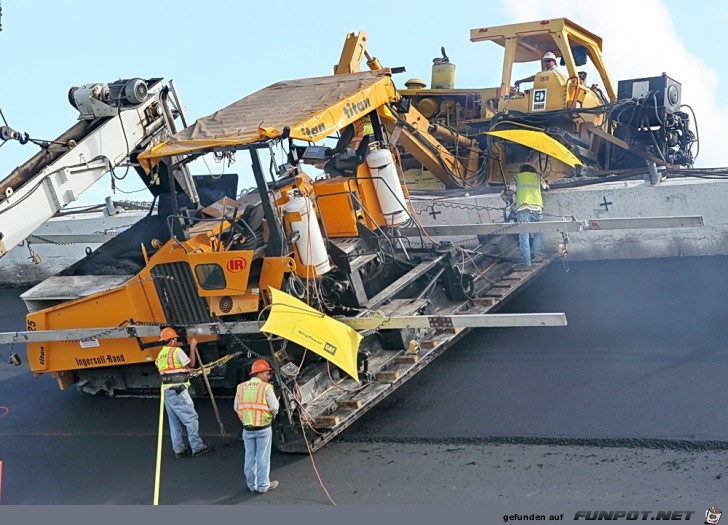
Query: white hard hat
[(550, 55)]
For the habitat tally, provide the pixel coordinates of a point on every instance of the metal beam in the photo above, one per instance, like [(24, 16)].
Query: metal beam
[(404, 281), (687, 221), (457, 321), (628, 223), (275, 246), (88, 238), (253, 327)]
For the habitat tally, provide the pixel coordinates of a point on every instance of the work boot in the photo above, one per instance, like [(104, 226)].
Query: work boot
[(204, 450), (273, 484), (180, 455)]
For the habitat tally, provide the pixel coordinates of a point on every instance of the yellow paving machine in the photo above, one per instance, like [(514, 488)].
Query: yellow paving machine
[(364, 293)]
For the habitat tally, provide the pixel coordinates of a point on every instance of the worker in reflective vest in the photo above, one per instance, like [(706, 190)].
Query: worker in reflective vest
[(549, 65), (175, 368), (256, 406), (527, 186), (363, 130), (351, 148)]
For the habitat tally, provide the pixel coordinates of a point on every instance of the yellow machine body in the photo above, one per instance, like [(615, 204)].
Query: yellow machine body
[(344, 202), (443, 75), (220, 278), (336, 199), (471, 110)]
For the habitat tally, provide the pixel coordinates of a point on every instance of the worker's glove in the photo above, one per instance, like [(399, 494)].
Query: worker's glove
[(518, 86), (179, 388)]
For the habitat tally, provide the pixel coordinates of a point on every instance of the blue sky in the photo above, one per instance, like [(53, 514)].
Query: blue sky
[(219, 51)]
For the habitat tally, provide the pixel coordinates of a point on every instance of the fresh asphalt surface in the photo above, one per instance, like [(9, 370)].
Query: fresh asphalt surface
[(626, 404)]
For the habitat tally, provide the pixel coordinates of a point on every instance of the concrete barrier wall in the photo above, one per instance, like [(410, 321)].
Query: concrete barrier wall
[(672, 197)]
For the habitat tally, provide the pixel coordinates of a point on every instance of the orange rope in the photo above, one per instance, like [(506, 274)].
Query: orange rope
[(313, 464)]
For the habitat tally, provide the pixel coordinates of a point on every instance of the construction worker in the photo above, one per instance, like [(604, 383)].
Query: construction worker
[(256, 406), (549, 64), (351, 148), (175, 367), (528, 205)]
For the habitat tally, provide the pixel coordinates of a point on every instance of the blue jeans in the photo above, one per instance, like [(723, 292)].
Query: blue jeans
[(181, 414), (257, 458), (524, 244)]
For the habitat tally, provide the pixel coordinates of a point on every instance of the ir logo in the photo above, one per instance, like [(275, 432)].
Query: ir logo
[(237, 265)]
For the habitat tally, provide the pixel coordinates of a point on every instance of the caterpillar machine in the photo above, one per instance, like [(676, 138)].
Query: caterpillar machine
[(641, 125), (349, 250)]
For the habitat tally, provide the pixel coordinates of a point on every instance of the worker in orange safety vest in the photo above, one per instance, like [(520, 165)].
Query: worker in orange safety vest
[(256, 406)]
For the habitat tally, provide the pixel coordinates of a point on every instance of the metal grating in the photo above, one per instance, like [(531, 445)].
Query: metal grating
[(177, 294)]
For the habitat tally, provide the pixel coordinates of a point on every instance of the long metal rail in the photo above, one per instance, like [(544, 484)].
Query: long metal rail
[(253, 327), (627, 223)]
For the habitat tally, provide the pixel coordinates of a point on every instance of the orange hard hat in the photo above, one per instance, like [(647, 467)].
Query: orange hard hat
[(261, 365), (168, 333)]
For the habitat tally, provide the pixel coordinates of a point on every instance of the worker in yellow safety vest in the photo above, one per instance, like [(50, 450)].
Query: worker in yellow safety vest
[(256, 406), (175, 367), (528, 206), (363, 130), (351, 148)]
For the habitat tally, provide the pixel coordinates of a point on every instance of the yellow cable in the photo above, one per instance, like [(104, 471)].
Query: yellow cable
[(159, 447)]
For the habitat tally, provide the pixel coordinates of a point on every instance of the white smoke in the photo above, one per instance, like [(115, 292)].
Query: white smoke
[(640, 40)]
